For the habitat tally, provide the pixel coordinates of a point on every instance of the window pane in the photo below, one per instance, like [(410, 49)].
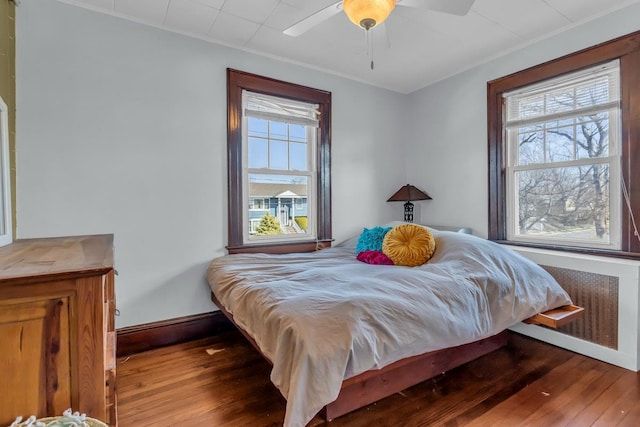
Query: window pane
[(297, 133), (564, 203), (284, 202), (278, 158), (531, 107), (530, 145), (592, 136), (559, 101), (559, 143), (297, 156), (258, 127), (277, 130), (258, 152), (583, 137), (594, 93)]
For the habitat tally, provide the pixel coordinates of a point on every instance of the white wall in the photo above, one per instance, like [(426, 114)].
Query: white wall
[(122, 129), (448, 155)]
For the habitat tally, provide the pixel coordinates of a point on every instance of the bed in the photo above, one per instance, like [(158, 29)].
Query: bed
[(341, 334)]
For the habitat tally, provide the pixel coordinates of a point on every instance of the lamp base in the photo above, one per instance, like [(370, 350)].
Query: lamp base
[(408, 212)]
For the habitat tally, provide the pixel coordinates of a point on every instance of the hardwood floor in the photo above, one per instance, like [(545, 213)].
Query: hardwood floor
[(223, 381)]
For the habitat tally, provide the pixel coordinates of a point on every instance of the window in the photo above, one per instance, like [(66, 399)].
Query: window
[(562, 141), (564, 152), (258, 204), (279, 140), (279, 165)]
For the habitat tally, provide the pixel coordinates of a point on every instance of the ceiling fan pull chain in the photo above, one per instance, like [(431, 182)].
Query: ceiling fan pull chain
[(366, 41), (369, 42)]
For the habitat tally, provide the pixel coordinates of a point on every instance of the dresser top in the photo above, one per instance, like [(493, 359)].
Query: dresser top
[(56, 256)]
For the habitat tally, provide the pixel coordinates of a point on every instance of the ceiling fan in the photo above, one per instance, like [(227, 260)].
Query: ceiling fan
[(370, 13)]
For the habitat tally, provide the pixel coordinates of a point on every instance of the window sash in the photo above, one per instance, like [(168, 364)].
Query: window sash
[(311, 209), (309, 144), (579, 112), (513, 211), (290, 112), (609, 72)]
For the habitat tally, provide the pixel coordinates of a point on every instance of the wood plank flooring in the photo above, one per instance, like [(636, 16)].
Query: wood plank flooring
[(223, 381)]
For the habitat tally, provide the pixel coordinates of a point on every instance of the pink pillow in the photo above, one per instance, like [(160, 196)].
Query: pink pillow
[(374, 257)]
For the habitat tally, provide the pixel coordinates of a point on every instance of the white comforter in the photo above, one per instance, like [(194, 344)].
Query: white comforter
[(322, 317)]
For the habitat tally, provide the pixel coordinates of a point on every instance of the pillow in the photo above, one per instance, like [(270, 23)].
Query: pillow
[(371, 239), (409, 244), (374, 257)]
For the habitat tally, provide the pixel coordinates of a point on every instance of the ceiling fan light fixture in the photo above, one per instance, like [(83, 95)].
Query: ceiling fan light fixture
[(368, 13)]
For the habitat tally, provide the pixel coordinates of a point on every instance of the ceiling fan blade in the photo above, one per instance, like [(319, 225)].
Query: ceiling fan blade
[(454, 7), (311, 21)]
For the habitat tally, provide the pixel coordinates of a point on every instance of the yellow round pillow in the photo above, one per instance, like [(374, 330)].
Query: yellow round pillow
[(409, 244)]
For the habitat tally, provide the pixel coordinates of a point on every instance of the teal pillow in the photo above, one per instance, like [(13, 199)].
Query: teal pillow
[(371, 239)]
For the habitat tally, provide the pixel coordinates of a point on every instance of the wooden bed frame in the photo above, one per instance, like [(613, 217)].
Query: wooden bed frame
[(371, 386)]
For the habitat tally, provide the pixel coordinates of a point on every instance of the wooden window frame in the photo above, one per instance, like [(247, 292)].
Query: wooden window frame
[(237, 81), (627, 50)]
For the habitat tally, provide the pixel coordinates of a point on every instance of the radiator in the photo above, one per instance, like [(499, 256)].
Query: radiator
[(608, 289), (598, 294)]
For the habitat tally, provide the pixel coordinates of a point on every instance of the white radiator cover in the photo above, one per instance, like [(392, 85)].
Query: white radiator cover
[(627, 355)]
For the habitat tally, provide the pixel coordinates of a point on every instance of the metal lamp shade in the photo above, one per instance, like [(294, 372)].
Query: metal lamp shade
[(406, 194)]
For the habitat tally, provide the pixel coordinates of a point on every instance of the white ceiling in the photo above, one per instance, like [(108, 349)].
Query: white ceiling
[(420, 46)]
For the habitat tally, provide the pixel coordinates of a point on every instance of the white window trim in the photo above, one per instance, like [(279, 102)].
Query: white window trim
[(310, 173)]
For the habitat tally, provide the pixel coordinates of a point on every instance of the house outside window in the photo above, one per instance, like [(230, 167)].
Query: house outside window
[(563, 157), (286, 205)]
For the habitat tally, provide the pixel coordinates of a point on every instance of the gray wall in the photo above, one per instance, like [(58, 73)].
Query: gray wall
[(122, 129), (449, 133)]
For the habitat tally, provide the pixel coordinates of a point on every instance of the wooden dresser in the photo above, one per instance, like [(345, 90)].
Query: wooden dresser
[(57, 332)]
